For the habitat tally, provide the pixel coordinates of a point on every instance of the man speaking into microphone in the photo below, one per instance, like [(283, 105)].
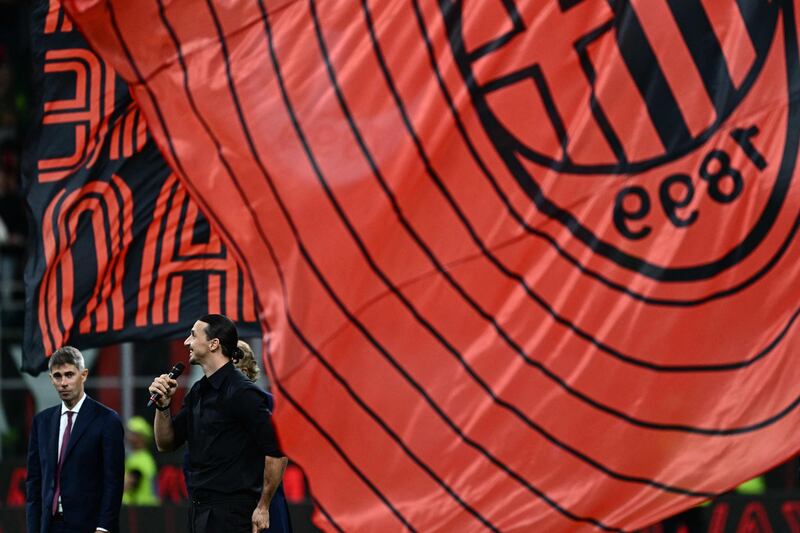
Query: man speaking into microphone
[(234, 465)]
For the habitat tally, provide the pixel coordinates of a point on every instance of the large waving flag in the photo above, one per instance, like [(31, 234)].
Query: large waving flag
[(121, 251), (526, 265)]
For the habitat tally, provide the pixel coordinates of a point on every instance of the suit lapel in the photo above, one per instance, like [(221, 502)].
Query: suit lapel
[(87, 413), (53, 427)]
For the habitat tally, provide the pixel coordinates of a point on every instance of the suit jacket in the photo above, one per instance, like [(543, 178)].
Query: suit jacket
[(91, 475)]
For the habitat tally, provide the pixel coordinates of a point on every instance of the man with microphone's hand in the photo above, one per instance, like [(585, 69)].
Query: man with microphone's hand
[(165, 387)]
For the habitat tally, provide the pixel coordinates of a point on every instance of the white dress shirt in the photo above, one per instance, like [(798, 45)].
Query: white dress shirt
[(62, 426)]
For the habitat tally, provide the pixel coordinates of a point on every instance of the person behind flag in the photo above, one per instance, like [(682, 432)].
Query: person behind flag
[(278, 508), (226, 422), (76, 454), (247, 365)]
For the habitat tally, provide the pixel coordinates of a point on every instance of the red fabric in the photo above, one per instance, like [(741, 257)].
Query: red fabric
[(294, 485), (523, 265), (16, 487), (172, 485)]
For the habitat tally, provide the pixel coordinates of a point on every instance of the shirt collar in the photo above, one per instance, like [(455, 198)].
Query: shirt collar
[(217, 378), (77, 407)]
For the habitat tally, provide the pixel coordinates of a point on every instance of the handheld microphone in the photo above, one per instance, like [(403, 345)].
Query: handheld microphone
[(176, 371)]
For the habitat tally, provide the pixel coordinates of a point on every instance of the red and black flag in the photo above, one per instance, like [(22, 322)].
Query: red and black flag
[(120, 252), (527, 265)]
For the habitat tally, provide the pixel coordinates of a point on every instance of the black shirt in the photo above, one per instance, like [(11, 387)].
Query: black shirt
[(227, 422)]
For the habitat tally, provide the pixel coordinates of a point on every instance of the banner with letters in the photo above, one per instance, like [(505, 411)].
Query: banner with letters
[(120, 252), (525, 265)]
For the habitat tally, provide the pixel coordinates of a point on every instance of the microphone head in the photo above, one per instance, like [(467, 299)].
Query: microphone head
[(177, 370)]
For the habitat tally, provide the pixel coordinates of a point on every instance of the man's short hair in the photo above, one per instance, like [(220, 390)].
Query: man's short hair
[(67, 355)]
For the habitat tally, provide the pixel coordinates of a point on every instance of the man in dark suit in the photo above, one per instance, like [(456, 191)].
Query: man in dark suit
[(76, 456)]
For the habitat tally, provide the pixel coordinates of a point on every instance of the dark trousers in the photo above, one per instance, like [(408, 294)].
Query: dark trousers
[(221, 513), (57, 525)]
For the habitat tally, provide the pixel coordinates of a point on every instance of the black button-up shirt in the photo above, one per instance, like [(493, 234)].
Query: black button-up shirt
[(226, 420)]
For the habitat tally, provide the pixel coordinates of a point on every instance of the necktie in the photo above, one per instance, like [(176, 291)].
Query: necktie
[(64, 442)]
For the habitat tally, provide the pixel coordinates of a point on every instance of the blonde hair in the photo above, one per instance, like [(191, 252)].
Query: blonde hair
[(247, 364)]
